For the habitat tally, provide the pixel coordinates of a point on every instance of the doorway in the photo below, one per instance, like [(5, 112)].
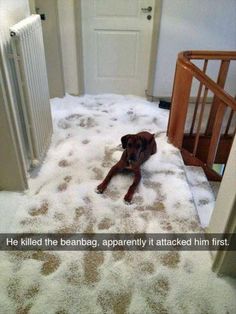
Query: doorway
[(119, 41)]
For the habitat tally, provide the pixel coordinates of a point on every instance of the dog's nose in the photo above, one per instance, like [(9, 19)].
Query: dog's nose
[(132, 157)]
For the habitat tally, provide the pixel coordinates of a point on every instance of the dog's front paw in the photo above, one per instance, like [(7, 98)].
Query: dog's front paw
[(128, 199), (100, 188), (127, 203)]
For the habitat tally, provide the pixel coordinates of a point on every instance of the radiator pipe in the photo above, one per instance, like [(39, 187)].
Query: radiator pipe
[(12, 34)]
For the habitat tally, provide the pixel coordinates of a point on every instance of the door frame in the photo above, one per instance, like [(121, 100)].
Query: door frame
[(153, 53), (223, 219), (154, 47), (55, 72), (79, 45)]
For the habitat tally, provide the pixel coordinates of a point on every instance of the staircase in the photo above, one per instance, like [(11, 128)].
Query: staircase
[(203, 141), (204, 130), (203, 196)]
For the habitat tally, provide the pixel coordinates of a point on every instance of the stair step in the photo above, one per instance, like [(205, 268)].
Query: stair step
[(215, 186), (203, 195)]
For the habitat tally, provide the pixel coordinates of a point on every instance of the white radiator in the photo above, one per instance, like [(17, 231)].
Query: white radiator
[(29, 58)]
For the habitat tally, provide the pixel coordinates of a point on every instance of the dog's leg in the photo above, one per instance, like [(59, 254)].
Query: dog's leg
[(113, 171), (137, 177)]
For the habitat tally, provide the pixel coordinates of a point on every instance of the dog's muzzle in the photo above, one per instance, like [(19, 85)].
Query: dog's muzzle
[(132, 158)]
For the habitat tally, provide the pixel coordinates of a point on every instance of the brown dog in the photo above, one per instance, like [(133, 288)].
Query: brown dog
[(138, 148)]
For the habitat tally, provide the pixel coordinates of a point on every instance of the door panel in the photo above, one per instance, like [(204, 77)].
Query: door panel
[(116, 45), (123, 8), (119, 64)]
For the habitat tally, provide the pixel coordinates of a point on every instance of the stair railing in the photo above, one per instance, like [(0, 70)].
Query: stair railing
[(202, 145)]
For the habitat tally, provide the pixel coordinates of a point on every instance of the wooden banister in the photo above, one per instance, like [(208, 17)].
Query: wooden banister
[(179, 104), (198, 99), (229, 122), (224, 67), (200, 121), (215, 134), (209, 55), (207, 81), (197, 145)]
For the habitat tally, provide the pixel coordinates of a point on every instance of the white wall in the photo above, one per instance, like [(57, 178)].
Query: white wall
[(189, 25), (11, 12), (68, 43)]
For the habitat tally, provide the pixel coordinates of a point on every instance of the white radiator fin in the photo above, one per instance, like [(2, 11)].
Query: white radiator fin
[(28, 51)]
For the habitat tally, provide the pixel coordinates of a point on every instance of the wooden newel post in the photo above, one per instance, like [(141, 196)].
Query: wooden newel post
[(179, 104)]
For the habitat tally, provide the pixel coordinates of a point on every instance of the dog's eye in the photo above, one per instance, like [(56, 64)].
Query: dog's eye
[(138, 146)]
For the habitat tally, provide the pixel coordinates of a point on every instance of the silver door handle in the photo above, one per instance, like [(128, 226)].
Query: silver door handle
[(146, 10)]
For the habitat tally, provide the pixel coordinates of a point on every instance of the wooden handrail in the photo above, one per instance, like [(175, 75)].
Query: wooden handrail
[(183, 60), (184, 74), (209, 55)]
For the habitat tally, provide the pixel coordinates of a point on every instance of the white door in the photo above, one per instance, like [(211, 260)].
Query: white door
[(117, 38)]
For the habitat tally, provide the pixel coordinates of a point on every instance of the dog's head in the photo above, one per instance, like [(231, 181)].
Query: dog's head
[(134, 145)]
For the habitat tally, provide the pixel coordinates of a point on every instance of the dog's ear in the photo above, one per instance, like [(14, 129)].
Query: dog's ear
[(124, 140), (144, 143)]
